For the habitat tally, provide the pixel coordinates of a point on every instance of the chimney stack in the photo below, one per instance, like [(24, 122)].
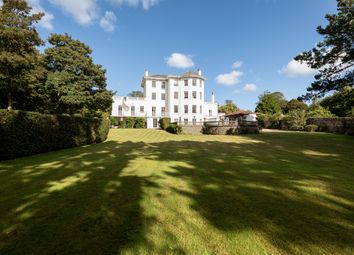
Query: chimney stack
[(199, 72), (146, 73), (213, 98)]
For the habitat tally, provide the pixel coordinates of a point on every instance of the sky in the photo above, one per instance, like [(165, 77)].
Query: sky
[(243, 47)]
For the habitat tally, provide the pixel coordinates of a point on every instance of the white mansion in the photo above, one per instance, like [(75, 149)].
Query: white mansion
[(180, 98)]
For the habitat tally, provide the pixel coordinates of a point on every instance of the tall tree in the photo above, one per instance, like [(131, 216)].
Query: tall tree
[(334, 56), (229, 107), (18, 42), (295, 104), (75, 83), (136, 93), (271, 103), (341, 103)]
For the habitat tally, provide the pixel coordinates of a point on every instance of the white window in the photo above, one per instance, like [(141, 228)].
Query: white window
[(201, 95), (200, 109), (186, 109), (175, 95), (194, 109), (194, 121), (185, 82), (153, 96), (176, 84), (154, 84), (210, 113), (194, 82), (154, 123), (120, 110), (132, 110), (163, 96), (201, 83), (185, 121), (175, 108), (163, 111), (185, 94), (141, 108), (163, 86), (194, 94), (153, 111)]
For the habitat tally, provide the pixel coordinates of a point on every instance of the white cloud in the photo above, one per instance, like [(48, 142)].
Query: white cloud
[(83, 11), (146, 4), (229, 79), (179, 60), (250, 87), (0, 2), (295, 69), (237, 64), (108, 21), (47, 20)]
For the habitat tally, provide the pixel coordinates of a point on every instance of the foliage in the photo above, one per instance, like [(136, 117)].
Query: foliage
[(334, 56), (129, 122), (341, 103), (139, 122), (18, 52), (25, 133), (164, 123), (295, 104), (136, 93), (114, 121), (318, 111), (229, 107), (271, 103), (311, 128), (296, 119), (174, 129), (74, 82)]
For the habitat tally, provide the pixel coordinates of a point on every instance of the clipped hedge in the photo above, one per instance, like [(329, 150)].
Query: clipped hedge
[(164, 123), (174, 129), (25, 133)]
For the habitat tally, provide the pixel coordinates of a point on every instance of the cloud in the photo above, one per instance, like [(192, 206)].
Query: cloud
[(237, 64), (229, 79), (47, 20), (179, 60), (108, 21), (250, 87), (84, 12), (296, 69), (146, 4), (1, 2)]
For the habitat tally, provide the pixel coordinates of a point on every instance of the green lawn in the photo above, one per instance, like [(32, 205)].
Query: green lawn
[(150, 192)]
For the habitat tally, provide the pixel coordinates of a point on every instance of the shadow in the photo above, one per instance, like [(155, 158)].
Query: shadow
[(293, 193)]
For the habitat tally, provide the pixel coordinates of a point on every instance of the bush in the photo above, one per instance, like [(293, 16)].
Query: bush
[(296, 120), (174, 129), (129, 122), (164, 123), (139, 123), (25, 133), (311, 128)]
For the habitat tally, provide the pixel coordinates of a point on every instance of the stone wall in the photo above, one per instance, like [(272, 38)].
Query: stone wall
[(192, 129), (341, 125), (235, 129)]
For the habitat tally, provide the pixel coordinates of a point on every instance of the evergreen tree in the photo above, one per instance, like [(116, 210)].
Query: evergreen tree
[(18, 52)]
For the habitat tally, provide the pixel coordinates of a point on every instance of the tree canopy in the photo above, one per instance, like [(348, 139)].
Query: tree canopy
[(136, 93), (229, 107), (341, 103), (18, 53), (334, 56), (271, 102)]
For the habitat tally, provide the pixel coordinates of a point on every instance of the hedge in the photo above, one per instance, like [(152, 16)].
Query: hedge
[(25, 133), (164, 123)]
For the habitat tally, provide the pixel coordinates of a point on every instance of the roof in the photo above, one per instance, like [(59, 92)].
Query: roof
[(239, 113)]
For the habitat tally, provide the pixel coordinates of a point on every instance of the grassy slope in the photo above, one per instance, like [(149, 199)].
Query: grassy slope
[(144, 192)]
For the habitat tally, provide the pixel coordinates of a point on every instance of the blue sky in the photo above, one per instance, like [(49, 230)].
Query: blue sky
[(243, 47)]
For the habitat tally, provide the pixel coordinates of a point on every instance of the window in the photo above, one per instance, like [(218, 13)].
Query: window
[(194, 94), (185, 94), (163, 96), (154, 84), (186, 109), (210, 113), (141, 108), (132, 110), (194, 121), (201, 84), (185, 82), (175, 95), (163, 110), (120, 110), (201, 95), (153, 111), (185, 121), (200, 109), (175, 109), (194, 82), (153, 96), (176, 84), (163, 86), (194, 109), (154, 123)]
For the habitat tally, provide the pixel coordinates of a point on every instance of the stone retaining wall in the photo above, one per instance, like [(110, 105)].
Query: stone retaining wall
[(341, 125), (192, 129)]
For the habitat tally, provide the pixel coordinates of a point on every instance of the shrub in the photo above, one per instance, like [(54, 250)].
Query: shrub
[(296, 120), (311, 128), (174, 129), (129, 122), (139, 123), (25, 133), (164, 123)]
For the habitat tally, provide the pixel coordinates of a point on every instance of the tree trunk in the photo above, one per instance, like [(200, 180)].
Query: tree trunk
[(9, 101)]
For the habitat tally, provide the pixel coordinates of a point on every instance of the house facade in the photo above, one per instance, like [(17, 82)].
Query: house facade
[(180, 98)]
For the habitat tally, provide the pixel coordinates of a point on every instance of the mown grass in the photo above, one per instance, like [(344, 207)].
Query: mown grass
[(150, 192)]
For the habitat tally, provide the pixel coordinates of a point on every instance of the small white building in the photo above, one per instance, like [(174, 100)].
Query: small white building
[(180, 98)]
